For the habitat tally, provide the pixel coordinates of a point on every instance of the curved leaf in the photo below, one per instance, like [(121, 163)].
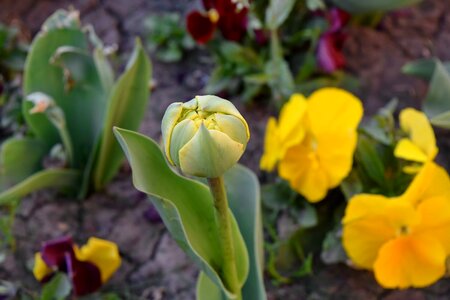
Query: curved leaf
[(244, 198), (126, 109), (207, 290), (57, 178), (19, 158), (60, 66), (442, 120), (41, 76), (185, 205), (437, 99), (367, 6)]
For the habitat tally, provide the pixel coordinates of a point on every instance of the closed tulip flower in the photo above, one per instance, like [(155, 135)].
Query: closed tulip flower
[(205, 136)]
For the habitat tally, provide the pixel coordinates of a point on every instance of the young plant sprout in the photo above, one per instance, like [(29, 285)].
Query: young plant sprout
[(218, 225)]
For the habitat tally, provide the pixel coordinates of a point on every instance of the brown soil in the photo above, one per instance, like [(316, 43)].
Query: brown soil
[(153, 266)]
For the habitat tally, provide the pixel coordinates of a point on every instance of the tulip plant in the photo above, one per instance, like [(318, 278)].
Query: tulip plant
[(73, 101), (219, 227)]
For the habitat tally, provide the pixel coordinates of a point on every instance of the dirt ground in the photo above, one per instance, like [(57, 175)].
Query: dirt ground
[(153, 266)]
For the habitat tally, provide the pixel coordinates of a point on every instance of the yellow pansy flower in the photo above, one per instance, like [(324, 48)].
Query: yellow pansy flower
[(420, 146), (324, 157), (87, 267), (405, 240), (103, 254), (288, 132)]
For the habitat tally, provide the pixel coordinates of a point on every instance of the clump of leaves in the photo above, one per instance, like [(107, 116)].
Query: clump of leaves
[(76, 100), (167, 38), (13, 51)]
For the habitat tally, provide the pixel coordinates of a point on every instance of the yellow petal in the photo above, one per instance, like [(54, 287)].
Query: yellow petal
[(271, 146), (406, 149), (416, 124), (291, 129), (410, 261), (102, 253), (333, 110), (300, 167), (335, 153), (40, 269), (435, 220), (366, 229), (431, 181)]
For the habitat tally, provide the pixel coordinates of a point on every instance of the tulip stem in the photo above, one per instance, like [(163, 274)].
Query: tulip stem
[(229, 270)]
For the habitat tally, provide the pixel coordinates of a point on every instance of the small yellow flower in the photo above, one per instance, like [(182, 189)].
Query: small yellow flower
[(288, 132), (314, 141), (420, 146), (404, 239)]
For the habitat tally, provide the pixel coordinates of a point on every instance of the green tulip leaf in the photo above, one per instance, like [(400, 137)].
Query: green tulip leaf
[(77, 64), (57, 178), (186, 207), (126, 109), (369, 6), (41, 76), (244, 198), (59, 65), (19, 158), (207, 290)]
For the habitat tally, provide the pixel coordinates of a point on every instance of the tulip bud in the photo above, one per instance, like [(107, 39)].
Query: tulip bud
[(205, 136)]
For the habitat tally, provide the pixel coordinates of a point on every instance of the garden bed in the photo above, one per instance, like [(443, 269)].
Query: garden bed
[(153, 266)]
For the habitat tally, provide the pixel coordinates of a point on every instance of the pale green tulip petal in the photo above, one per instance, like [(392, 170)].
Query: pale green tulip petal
[(181, 134), (211, 103), (209, 153), (233, 127), (169, 121), (191, 104)]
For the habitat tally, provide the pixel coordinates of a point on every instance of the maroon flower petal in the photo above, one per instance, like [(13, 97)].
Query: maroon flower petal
[(329, 55), (261, 36), (337, 18), (200, 27), (54, 252), (232, 21), (85, 276), (209, 4)]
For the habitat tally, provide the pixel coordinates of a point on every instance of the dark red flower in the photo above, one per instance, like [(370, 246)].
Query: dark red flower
[(54, 252), (201, 26), (84, 275), (88, 267), (228, 15), (337, 18), (329, 52)]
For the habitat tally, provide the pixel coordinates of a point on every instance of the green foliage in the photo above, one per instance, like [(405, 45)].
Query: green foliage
[(167, 38), (436, 104), (87, 103), (357, 6), (58, 288), (186, 207), (13, 51), (277, 57)]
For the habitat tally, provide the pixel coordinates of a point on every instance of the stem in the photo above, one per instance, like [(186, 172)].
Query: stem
[(57, 117), (67, 142), (229, 270)]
